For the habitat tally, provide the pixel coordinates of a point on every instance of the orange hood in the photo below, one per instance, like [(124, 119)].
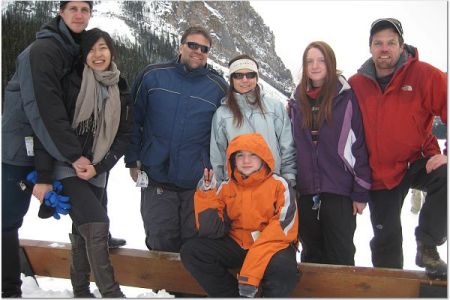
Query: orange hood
[(252, 142)]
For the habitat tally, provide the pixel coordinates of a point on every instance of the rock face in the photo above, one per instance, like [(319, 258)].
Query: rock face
[(235, 27), (149, 31)]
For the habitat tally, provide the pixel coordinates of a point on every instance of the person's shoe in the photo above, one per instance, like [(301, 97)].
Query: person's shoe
[(428, 257), (114, 243)]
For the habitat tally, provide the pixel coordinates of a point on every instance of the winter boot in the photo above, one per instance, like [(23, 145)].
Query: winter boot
[(427, 257), (96, 238), (80, 269), (11, 282), (114, 243)]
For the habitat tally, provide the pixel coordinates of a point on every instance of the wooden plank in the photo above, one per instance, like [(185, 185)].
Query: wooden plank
[(164, 270)]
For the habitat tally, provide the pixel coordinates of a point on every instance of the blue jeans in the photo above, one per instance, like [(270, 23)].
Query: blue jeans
[(15, 204)]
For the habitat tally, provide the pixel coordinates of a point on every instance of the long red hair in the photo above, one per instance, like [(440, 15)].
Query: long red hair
[(327, 91)]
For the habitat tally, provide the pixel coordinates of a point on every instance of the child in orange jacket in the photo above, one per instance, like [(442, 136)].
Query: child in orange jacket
[(250, 222)]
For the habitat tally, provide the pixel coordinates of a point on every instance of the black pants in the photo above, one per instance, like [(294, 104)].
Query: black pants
[(168, 216), (88, 203), (15, 204), (209, 260), (327, 233), (385, 211)]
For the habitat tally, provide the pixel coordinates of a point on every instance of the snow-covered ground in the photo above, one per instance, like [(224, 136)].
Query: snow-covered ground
[(126, 222)]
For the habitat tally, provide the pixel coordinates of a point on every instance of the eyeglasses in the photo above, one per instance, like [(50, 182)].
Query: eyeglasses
[(249, 75), (195, 46)]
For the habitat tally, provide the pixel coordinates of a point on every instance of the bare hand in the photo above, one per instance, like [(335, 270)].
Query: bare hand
[(134, 172), (207, 177), (435, 162), (80, 165), (209, 180), (40, 189), (87, 172), (358, 207)]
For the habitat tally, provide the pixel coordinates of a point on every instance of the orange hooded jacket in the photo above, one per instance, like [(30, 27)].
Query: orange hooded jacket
[(259, 212)]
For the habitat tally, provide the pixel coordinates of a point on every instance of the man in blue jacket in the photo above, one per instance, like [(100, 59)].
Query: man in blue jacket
[(174, 106), (38, 77)]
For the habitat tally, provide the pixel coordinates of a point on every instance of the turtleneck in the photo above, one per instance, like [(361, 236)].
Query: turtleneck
[(249, 97), (76, 36)]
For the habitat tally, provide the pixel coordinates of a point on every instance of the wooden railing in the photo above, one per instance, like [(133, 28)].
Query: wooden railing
[(163, 270)]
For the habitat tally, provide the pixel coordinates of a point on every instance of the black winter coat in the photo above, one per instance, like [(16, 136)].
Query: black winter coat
[(71, 85)]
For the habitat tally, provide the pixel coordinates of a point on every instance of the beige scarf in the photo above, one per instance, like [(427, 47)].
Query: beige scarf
[(98, 108)]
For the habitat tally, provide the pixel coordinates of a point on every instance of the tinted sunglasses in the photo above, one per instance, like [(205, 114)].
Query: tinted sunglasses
[(195, 46), (249, 75)]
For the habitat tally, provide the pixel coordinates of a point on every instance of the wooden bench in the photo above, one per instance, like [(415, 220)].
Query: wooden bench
[(163, 270)]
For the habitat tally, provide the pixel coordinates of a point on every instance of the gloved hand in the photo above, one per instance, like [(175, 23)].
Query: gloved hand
[(59, 202), (54, 203), (247, 290)]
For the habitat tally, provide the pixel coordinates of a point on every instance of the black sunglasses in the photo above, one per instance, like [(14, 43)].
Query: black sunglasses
[(249, 75), (195, 46)]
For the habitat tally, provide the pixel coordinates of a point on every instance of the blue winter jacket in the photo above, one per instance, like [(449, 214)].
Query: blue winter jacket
[(173, 109), (339, 162)]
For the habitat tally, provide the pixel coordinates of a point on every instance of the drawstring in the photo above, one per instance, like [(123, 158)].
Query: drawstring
[(316, 205)]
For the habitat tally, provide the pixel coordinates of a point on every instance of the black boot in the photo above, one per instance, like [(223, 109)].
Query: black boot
[(114, 243), (96, 238), (428, 257), (11, 282), (80, 269)]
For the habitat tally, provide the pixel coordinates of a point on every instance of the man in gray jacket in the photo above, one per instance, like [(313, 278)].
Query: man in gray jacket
[(40, 68)]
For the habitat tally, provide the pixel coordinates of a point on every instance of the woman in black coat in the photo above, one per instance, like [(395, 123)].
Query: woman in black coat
[(97, 109)]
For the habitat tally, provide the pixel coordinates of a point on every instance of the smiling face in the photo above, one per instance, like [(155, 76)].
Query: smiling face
[(247, 162), (316, 67), (386, 50), (99, 57), (194, 58), (76, 15), (244, 84)]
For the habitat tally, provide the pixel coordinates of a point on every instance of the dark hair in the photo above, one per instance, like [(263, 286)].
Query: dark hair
[(327, 91), (196, 30), (90, 37), (231, 100), (62, 4)]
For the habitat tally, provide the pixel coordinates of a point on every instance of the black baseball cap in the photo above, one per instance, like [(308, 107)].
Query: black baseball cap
[(384, 23), (63, 3)]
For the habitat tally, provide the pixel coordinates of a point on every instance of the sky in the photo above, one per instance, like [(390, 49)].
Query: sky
[(345, 26)]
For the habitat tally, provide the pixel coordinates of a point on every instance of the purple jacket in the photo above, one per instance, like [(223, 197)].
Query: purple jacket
[(339, 163)]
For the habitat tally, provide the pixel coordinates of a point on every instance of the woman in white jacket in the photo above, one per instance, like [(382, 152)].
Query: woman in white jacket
[(247, 109)]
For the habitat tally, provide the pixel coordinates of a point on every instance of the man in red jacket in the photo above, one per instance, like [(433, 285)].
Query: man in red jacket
[(399, 97)]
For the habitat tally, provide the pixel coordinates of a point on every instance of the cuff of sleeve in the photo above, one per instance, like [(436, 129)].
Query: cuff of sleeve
[(44, 177), (251, 280), (362, 197)]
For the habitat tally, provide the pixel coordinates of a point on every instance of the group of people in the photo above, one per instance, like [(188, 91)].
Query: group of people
[(229, 177)]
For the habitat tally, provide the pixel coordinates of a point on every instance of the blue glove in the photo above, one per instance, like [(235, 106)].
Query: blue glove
[(247, 290), (32, 177), (56, 204), (57, 186), (59, 202)]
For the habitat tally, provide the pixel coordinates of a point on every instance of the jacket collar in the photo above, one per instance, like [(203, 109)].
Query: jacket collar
[(185, 71), (409, 54), (58, 30)]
